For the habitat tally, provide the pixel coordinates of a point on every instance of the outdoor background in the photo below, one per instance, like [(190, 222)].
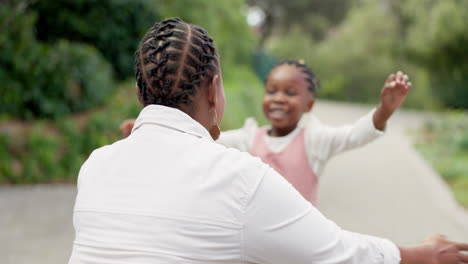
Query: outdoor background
[(66, 69), (66, 85)]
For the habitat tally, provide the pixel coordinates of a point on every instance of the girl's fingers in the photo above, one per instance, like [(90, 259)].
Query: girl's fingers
[(390, 78), (391, 84)]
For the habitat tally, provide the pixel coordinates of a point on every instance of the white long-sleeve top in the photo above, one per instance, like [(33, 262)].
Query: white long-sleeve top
[(169, 194), (322, 141)]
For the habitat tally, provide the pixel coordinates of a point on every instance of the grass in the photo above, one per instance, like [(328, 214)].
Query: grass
[(444, 142)]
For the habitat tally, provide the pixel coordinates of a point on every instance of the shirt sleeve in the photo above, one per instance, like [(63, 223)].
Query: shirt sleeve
[(282, 227), (330, 141), (242, 138)]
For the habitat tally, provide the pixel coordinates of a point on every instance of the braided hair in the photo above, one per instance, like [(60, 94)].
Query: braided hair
[(310, 77), (172, 61)]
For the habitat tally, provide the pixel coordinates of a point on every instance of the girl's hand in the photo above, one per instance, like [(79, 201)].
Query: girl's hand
[(126, 127), (394, 92)]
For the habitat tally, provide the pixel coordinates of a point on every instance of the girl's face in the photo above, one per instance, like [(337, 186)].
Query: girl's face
[(286, 98)]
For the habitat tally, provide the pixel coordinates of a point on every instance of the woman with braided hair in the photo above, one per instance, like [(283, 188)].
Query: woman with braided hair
[(169, 194)]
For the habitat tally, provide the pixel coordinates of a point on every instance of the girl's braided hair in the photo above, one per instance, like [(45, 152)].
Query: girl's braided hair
[(172, 61), (310, 77)]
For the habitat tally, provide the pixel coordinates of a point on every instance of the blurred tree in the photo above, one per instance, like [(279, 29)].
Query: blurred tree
[(315, 16), (225, 20), (41, 80), (355, 58), (438, 41), (113, 26)]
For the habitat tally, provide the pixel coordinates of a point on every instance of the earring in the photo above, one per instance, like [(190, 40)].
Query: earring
[(214, 130)]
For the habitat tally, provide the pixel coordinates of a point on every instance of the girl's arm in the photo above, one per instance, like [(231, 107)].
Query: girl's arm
[(369, 127), (126, 127), (241, 138)]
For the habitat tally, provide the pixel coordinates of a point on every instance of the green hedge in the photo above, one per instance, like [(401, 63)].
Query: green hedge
[(45, 151), (40, 80), (444, 142), (114, 27)]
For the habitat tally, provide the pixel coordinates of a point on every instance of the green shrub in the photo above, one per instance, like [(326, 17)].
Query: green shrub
[(244, 93), (445, 145), (40, 80), (114, 27)]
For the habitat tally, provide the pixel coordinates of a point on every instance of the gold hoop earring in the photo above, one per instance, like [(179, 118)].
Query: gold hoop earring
[(214, 130)]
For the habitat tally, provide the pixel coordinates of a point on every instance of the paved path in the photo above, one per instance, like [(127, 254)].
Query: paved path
[(384, 189)]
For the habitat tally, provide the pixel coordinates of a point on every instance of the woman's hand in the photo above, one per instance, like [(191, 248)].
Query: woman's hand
[(436, 250), (393, 94), (126, 127)]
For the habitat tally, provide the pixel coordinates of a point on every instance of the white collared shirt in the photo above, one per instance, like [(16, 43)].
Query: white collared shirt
[(321, 141), (169, 194)]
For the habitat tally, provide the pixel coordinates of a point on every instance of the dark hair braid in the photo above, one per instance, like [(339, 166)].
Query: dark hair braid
[(310, 77), (172, 61)]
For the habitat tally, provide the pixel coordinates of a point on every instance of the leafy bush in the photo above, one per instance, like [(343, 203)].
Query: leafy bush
[(438, 41), (233, 37), (444, 143), (244, 93), (114, 27), (40, 80)]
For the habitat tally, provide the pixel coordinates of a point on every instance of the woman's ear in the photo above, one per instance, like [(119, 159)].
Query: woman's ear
[(213, 91), (137, 91)]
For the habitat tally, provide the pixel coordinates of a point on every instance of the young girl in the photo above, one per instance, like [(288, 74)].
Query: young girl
[(298, 146)]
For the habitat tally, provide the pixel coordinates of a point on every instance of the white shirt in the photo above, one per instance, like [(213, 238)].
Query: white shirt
[(169, 194), (322, 141)]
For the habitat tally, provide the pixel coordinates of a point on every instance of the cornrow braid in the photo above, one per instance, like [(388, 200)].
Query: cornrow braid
[(172, 61), (310, 77)]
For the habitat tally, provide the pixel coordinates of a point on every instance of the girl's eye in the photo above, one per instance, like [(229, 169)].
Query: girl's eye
[(270, 91), (291, 93)]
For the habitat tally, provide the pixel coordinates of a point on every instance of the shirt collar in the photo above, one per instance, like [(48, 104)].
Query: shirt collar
[(171, 118)]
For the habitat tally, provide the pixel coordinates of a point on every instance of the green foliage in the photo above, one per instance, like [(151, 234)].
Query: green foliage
[(41, 80), (315, 17), (114, 27), (438, 41), (243, 98), (224, 21), (444, 142), (354, 59)]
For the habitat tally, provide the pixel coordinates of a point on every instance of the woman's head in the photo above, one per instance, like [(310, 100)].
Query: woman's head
[(289, 93), (176, 65)]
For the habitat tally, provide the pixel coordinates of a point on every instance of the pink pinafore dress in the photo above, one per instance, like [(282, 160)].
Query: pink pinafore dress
[(291, 163)]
